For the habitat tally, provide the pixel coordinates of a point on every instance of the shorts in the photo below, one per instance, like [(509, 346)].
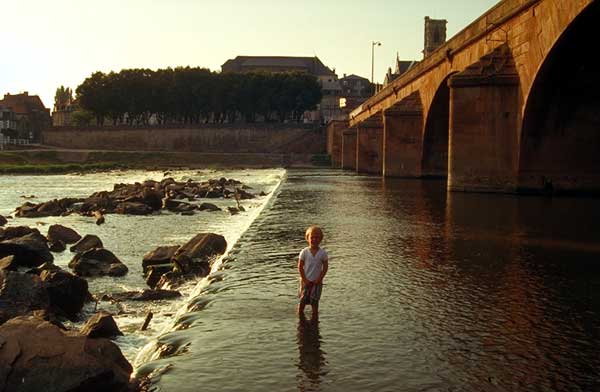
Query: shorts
[(310, 294)]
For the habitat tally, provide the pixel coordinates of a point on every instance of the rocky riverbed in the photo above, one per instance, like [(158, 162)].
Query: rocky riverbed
[(36, 294)]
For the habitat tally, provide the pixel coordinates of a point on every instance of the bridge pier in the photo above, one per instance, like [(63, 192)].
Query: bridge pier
[(402, 146), (484, 126), (334, 141), (348, 155), (369, 150)]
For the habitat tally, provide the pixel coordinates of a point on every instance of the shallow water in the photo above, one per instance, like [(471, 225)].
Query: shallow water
[(427, 291), (130, 237)]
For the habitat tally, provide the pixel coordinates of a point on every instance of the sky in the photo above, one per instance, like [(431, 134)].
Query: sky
[(47, 44)]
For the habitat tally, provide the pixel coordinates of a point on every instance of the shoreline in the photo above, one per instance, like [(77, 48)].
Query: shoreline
[(61, 161)]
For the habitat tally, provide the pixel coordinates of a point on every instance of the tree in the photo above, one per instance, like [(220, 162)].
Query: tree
[(62, 97)]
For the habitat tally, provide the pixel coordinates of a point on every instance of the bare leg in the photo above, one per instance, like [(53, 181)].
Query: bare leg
[(315, 312), (301, 306)]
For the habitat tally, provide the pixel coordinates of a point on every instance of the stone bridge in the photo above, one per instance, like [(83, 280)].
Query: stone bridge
[(509, 104)]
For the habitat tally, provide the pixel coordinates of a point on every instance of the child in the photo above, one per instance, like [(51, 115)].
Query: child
[(313, 263)]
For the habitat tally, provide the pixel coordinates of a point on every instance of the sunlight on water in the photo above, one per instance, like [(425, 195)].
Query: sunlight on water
[(130, 237)]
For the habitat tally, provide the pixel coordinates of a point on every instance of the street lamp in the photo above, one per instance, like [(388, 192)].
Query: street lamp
[(373, 43)]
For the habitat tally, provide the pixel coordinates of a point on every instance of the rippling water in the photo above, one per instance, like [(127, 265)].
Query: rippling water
[(426, 291), (130, 237)]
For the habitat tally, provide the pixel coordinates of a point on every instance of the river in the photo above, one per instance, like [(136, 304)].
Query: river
[(426, 291)]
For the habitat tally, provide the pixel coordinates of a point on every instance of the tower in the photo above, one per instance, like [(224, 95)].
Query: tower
[(435, 34)]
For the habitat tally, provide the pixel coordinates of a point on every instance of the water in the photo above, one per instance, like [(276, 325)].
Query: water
[(131, 237), (426, 291)]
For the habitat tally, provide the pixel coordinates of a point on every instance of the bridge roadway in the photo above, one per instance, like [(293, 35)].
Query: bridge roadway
[(509, 104)]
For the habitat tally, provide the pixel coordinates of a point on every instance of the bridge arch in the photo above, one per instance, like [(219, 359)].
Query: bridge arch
[(434, 160), (560, 134)]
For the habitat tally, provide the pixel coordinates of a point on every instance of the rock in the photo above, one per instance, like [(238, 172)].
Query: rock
[(170, 280), (57, 246), (97, 262), (30, 250), (15, 232), (203, 247), (101, 325), (132, 208), (117, 269), (146, 295), (62, 233), (160, 255), (8, 263), (3, 220), (89, 241), (44, 267), (99, 217), (38, 355), (152, 197), (208, 207), (187, 213), (178, 206), (67, 292), (233, 210), (155, 272), (20, 294)]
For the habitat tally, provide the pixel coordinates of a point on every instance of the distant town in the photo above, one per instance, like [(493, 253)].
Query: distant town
[(24, 117)]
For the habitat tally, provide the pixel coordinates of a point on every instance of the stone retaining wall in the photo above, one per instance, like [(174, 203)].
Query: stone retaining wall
[(259, 138)]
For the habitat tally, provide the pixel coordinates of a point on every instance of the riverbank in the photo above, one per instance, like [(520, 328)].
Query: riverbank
[(54, 161)]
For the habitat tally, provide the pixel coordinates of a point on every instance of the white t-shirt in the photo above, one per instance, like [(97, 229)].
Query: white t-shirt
[(313, 265)]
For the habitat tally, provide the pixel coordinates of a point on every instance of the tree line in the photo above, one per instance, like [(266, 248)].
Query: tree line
[(196, 95)]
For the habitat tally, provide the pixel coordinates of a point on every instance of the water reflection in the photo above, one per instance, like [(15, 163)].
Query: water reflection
[(311, 359)]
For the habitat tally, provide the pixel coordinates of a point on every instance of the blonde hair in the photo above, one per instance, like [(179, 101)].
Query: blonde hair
[(311, 229)]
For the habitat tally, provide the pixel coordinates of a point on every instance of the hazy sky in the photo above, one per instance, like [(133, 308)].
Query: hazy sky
[(46, 44)]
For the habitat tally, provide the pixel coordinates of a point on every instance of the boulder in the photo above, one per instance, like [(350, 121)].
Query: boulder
[(203, 247), (133, 208), (101, 325), (155, 272), (89, 241), (146, 295), (15, 231), (97, 262), (62, 233), (208, 207), (3, 221), (36, 355), (160, 255), (20, 294), (44, 267), (170, 280), (57, 246), (30, 250), (67, 292), (9, 263)]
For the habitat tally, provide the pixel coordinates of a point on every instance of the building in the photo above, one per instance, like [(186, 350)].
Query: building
[(435, 34), (8, 122), (30, 115), (328, 108), (401, 67), (64, 106), (355, 90)]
